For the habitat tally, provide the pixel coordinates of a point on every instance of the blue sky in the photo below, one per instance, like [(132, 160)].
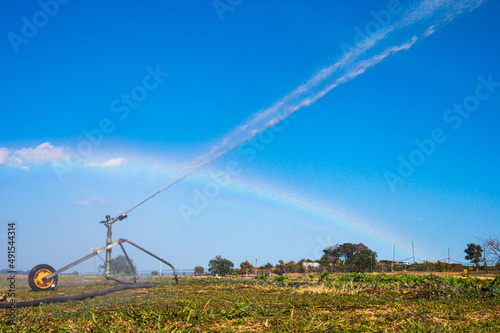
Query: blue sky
[(103, 104)]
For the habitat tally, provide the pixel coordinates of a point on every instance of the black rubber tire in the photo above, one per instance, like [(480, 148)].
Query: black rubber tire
[(38, 268)]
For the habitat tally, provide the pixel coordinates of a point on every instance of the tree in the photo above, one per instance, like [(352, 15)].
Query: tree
[(325, 264), (154, 273), (492, 250), (350, 256), (364, 260), (287, 268), (280, 268), (328, 256), (293, 267), (246, 267), (268, 268), (342, 253), (120, 265), (474, 254), (198, 270), (220, 266)]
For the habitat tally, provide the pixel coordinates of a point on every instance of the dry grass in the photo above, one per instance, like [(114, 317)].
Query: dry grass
[(227, 305)]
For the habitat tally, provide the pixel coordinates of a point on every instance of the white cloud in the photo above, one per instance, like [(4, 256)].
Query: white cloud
[(42, 153), (4, 153), (109, 163), (92, 199)]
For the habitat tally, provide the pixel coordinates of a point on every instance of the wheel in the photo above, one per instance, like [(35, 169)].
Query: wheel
[(35, 278)]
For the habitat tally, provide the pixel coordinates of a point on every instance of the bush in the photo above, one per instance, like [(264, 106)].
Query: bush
[(198, 270), (261, 277), (325, 277), (282, 278), (496, 281)]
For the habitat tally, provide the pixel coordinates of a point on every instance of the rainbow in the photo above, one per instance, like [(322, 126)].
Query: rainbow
[(305, 211)]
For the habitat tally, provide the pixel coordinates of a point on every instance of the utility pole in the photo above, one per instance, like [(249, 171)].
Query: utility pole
[(160, 266), (393, 257), (413, 251), (449, 262)]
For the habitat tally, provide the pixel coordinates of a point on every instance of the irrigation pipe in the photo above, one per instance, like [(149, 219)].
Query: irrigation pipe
[(77, 297)]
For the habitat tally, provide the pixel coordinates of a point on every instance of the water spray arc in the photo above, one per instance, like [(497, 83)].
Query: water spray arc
[(416, 23)]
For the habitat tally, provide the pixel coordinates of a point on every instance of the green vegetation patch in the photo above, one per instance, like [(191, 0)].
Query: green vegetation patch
[(349, 303)]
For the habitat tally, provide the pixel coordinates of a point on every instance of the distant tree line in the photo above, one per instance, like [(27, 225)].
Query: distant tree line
[(350, 257), (347, 257)]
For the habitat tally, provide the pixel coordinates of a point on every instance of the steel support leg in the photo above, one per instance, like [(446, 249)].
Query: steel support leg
[(79, 261), (154, 256), (129, 262)]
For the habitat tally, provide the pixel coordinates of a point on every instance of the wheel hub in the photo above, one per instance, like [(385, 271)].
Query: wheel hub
[(40, 282)]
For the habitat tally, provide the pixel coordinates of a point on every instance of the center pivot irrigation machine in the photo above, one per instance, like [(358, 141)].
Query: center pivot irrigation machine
[(44, 277)]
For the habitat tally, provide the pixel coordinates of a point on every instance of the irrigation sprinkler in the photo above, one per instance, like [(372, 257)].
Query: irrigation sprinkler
[(44, 277)]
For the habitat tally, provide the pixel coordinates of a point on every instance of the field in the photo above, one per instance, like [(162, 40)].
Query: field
[(308, 303)]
